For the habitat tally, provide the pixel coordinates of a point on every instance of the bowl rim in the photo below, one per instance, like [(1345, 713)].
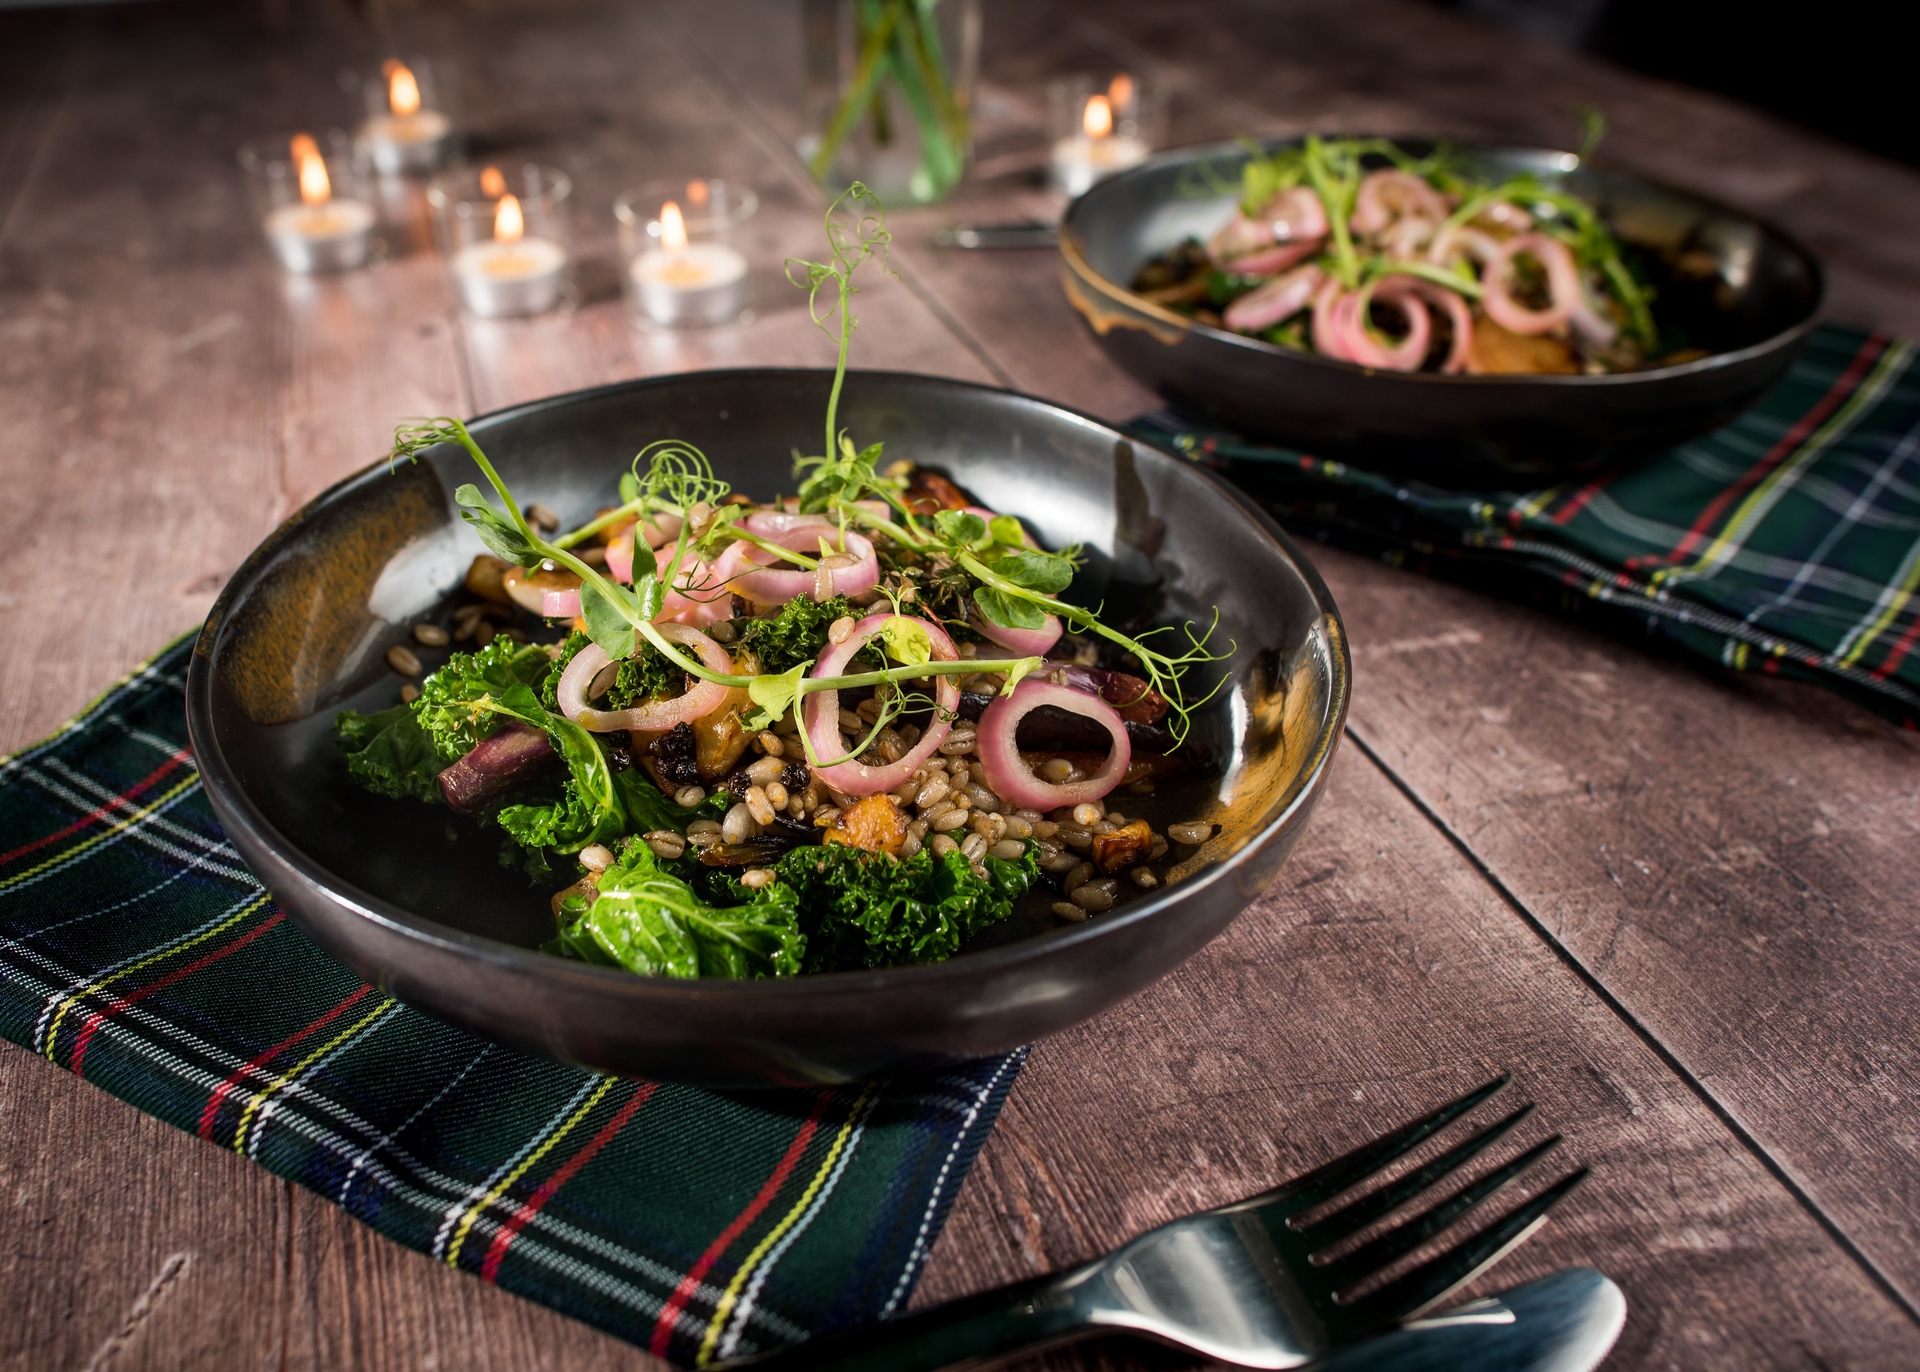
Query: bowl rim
[(1076, 262), (238, 809)]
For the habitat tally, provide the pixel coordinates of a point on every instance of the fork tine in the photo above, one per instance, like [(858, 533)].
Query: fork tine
[(1357, 1216), (1374, 1255), (1343, 1173), (1432, 1282)]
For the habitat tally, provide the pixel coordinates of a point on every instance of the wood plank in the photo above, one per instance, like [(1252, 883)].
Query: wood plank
[(154, 1251), (1379, 977), (170, 397), (1731, 858), (240, 438)]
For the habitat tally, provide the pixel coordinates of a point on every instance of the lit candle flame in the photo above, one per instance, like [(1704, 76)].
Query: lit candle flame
[(673, 228), (1120, 91), (403, 92), (696, 192), (508, 222), (315, 189), (492, 184), (1099, 120)]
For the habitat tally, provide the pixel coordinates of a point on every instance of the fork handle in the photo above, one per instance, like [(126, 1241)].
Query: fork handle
[(974, 1331)]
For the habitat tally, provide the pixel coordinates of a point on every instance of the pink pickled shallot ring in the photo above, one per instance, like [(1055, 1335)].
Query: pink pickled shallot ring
[(701, 699), (822, 715), (1563, 285), (1008, 773)]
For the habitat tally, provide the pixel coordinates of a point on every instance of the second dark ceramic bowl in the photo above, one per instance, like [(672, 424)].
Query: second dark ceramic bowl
[(1751, 297), (416, 901)]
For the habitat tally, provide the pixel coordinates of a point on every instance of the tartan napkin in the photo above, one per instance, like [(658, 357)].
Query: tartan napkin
[(138, 951), (1787, 542)]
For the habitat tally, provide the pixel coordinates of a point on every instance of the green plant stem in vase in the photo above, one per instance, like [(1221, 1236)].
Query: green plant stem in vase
[(890, 87)]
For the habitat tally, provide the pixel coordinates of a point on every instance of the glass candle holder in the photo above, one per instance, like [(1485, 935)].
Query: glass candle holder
[(503, 230), (1101, 127), (312, 200), (410, 124), (681, 270)]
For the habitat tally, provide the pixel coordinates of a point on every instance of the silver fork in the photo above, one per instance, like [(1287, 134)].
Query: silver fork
[(1249, 1283)]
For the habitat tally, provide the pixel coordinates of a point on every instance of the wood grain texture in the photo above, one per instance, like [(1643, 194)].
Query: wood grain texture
[(1729, 858), (159, 376), (1732, 859), (1377, 979)]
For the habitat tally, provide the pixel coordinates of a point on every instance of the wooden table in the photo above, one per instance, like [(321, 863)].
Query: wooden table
[(1678, 906)]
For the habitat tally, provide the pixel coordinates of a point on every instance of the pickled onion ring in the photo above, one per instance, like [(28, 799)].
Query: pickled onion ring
[(701, 699), (1275, 301), (1387, 194), (1364, 347), (771, 587), (1007, 772), (620, 556), (1563, 285), (1459, 313), (1026, 642), (855, 778)]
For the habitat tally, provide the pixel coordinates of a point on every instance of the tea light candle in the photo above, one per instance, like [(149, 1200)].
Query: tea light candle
[(409, 138), (688, 283), (1096, 152), (510, 274), (320, 233)]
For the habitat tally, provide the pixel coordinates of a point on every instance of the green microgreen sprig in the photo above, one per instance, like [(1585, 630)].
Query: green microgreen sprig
[(849, 245)]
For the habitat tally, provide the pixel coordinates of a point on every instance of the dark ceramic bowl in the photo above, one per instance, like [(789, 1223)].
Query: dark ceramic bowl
[(415, 900), (1753, 305)]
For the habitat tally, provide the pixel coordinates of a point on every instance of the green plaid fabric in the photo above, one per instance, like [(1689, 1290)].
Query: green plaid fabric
[(1786, 542), (138, 951)]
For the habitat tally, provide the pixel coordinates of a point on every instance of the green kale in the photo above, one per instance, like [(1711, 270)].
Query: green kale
[(862, 909), (457, 705), (649, 809), (388, 753), (589, 808), (1223, 288), (647, 675), (651, 923), (797, 634)]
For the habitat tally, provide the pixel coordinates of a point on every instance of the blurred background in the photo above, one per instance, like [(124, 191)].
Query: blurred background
[(1839, 69)]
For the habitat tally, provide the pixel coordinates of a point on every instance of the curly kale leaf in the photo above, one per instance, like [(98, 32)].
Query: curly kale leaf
[(388, 753), (652, 923), (647, 675), (797, 634), (863, 909), (458, 704)]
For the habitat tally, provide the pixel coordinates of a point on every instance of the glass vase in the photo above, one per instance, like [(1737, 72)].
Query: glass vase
[(889, 94)]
